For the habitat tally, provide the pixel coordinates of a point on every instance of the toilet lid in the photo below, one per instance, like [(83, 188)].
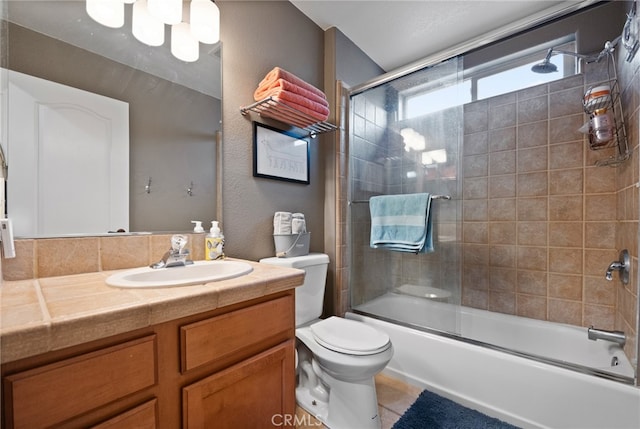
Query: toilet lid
[(349, 336)]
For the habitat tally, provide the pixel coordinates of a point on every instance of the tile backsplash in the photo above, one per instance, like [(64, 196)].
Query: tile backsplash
[(50, 257)]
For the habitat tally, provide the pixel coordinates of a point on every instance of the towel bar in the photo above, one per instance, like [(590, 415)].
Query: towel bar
[(433, 197)]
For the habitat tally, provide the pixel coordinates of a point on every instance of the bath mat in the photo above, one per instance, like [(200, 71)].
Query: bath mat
[(431, 411)]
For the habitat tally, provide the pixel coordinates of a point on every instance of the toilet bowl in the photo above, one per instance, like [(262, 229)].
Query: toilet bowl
[(337, 359), (346, 374)]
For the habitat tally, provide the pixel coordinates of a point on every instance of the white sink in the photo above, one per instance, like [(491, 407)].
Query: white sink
[(197, 273)]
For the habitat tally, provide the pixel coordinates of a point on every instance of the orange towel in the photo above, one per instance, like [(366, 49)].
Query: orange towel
[(287, 118), (264, 91), (286, 96), (278, 73), (304, 105)]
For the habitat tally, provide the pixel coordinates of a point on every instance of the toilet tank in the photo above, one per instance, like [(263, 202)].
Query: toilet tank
[(309, 296)]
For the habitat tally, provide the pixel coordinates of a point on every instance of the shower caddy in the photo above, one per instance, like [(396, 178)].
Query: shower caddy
[(613, 103)]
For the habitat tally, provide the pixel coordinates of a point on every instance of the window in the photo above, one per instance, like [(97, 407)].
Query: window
[(438, 99), (510, 75), (494, 78)]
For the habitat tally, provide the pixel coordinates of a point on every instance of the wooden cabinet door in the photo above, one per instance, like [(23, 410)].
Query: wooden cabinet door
[(251, 394), (262, 325), (49, 395), (144, 416)]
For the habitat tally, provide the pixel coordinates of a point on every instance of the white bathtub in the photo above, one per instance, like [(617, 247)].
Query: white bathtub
[(519, 390)]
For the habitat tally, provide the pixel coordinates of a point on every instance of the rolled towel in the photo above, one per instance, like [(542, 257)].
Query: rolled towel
[(298, 224), (265, 91), (278, 73), (282, 223)]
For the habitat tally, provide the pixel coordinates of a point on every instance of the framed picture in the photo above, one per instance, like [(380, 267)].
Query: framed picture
[(280, 155)]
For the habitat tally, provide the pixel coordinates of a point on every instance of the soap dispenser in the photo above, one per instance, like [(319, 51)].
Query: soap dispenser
[(214, 243), (198, 226)]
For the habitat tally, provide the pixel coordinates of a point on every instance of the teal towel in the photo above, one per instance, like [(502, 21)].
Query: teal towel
[(401, 222)]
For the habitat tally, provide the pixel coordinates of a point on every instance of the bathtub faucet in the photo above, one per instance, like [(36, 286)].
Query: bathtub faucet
[(622, 266), (617, 337)]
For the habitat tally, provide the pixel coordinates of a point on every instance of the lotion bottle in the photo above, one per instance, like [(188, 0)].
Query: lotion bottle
[(214, 243)]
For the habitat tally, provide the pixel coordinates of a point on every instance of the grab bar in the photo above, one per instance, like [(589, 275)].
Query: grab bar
[(433, 197)]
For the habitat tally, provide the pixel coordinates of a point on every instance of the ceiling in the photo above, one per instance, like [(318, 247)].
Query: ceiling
[(394, 33)]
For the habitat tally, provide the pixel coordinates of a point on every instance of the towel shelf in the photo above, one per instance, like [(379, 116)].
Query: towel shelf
[(271, 108), (433, 197)]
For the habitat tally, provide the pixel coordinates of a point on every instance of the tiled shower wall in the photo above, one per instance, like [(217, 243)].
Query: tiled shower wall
[(627, 205), (540, 222), (380, 165)]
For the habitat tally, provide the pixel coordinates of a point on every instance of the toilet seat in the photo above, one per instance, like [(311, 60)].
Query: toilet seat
[(349, 336)]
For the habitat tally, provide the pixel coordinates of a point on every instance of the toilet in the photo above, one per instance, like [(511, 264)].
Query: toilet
[(336, 358)]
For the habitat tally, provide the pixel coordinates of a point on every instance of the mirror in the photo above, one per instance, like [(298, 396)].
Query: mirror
[(174, 115)]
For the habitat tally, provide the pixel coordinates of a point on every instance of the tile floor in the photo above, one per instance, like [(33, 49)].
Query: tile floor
[(394, 397)]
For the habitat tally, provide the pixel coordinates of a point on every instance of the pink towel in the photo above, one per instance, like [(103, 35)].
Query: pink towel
[(287, 118), (268, 90), (304, 105), (278, 73)]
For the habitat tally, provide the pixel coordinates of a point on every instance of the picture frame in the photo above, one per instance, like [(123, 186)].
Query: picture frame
[(280, 155)]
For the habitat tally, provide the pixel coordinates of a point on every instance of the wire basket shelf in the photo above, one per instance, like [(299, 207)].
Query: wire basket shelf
[(597, 100), (274, 109)]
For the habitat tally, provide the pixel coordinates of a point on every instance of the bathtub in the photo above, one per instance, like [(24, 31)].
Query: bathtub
[(522, 388)]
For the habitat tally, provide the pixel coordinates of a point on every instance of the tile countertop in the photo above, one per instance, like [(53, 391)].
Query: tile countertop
[(46, 314)]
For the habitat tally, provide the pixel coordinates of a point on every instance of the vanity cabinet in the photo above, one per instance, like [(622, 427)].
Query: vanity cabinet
[(251, 394), (228, 368), (50, 394)]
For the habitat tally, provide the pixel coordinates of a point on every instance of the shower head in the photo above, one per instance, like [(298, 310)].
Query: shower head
[(546, 66)]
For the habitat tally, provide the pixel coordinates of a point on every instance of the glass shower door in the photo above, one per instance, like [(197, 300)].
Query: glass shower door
[(405, 138)]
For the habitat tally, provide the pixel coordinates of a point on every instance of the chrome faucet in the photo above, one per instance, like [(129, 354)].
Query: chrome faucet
[(177, 256), (617, 337), (614, 266), (623, 266)]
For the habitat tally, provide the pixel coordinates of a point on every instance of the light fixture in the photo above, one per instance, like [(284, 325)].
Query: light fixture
[(412, 140), (145, 27), (204, 18), (109, 13), (199, 23), (167, 11), (438, 156), (184, 46)]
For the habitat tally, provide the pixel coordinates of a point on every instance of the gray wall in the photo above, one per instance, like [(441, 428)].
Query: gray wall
[(258, 36), (172, 128), (588, 27), (353, 66)]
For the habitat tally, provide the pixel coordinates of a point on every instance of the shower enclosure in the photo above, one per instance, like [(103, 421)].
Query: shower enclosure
[(395, 151), (524, 234)]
